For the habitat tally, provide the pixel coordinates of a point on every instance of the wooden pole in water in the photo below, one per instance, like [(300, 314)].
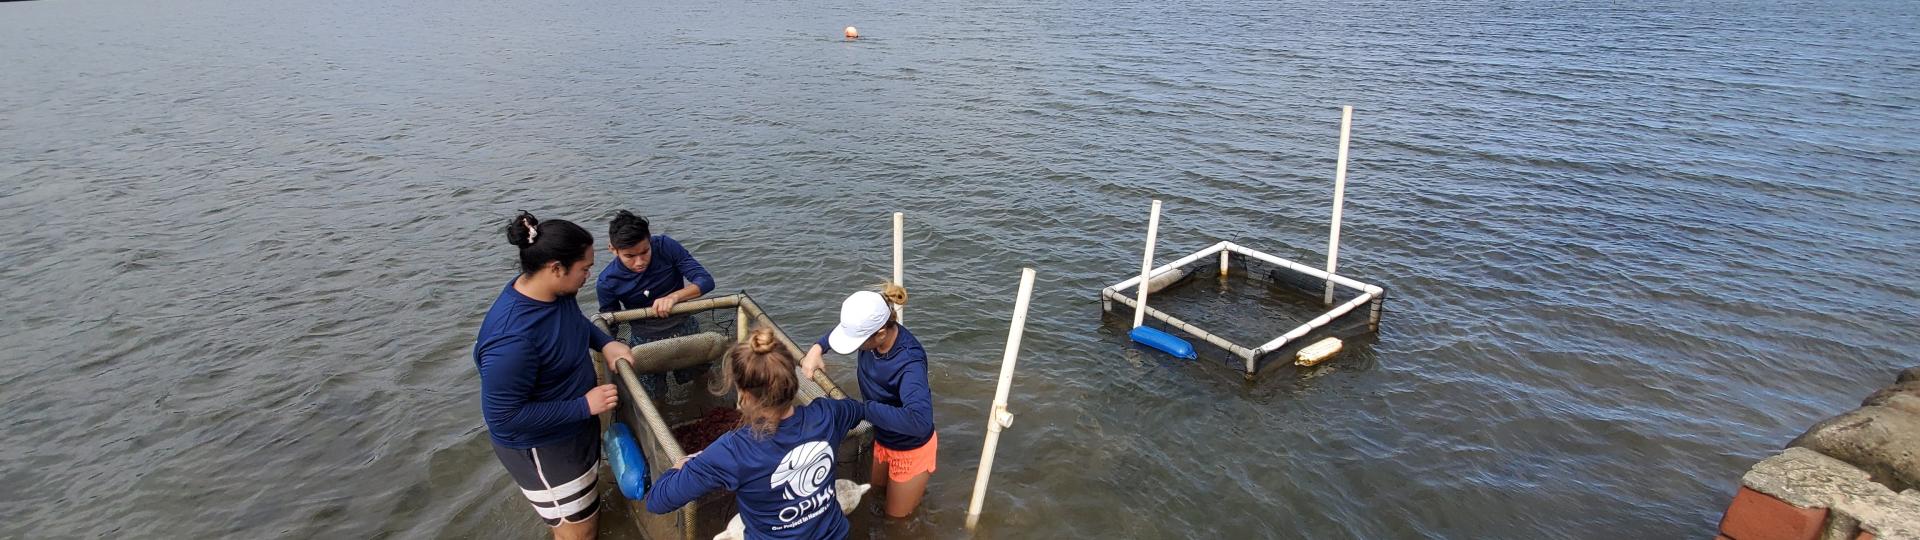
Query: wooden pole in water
[(1146, 265), (899, 262), (1339, 197), (997, 417)]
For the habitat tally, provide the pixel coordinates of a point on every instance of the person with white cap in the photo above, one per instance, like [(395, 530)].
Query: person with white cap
[(893, 380)]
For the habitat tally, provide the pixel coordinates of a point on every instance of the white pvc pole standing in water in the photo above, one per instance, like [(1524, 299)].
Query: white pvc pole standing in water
[(1339, 196), (998, 418), (899, 262), (1146, 266)]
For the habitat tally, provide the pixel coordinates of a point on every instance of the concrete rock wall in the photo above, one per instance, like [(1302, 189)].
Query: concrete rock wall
[(1853, 476)]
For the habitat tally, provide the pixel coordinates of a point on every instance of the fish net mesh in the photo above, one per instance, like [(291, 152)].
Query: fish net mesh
[(691, 416), (1256, 302)]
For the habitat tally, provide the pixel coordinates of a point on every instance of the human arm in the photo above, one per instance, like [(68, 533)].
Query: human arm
[(914, 416), (688, 480)]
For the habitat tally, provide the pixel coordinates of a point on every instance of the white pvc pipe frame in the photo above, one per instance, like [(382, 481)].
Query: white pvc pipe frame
[(1339, 197), (1368, 293), (899, 260), (1146, 263), (997, 417)]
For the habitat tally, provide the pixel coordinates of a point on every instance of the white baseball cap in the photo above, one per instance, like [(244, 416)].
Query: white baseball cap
[(861, 315)]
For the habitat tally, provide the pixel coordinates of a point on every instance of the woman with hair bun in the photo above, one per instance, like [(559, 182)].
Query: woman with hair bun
[(537, 389), (780, 462), (893, 381)]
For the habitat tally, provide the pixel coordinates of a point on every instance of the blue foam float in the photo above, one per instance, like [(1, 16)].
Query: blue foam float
[(1166, 342), (629, 465)]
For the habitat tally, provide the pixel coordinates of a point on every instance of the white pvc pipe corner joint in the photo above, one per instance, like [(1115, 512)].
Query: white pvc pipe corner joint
[(899, 259), (1169, 267), (997, 417), (1146, 266), (1339, 197)]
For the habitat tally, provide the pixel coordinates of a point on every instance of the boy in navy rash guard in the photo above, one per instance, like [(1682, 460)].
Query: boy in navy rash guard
[(655, 272), (780, 465)]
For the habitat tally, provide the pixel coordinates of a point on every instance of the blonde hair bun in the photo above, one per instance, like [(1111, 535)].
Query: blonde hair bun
[(762, 341)]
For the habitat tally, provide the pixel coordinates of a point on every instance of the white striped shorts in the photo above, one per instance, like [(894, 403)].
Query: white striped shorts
[(561, 478)]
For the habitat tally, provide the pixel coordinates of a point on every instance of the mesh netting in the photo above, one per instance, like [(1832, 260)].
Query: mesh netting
[(1255, 303), (691, 415)]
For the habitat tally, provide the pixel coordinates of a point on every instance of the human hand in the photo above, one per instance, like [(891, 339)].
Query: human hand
[(614, 351), (602, 399), (812, 362), (663, 305)]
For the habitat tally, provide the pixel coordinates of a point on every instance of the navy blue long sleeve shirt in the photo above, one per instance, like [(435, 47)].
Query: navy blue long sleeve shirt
[(672, 268), (782, 484), (898, 401), (534, 369)]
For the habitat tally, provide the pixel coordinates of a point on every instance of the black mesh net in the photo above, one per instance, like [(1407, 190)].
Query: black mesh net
[(1256, 302), (694, 413)]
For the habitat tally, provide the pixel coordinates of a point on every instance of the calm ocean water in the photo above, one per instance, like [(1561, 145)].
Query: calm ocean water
[(1632, 248)]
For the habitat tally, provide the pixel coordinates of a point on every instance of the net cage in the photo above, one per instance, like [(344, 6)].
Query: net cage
[(1287, 299), (722, 321)]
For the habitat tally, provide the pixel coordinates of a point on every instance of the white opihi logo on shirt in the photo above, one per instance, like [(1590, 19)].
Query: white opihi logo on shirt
[(801, 473)]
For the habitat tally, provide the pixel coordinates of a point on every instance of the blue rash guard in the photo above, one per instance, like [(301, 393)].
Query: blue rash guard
[(534, 369), (672, 267), (899, 403), (783, 484)]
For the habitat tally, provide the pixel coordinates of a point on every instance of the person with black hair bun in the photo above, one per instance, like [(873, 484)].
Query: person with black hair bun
[(537, 389), (651, 271)]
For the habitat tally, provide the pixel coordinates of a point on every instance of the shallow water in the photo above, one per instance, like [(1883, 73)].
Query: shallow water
[(1630, 249)]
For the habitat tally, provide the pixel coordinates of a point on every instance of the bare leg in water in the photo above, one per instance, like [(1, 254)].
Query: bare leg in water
[(902, 497), (583, 530)]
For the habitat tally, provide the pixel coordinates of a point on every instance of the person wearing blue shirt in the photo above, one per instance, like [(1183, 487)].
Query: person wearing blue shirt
[(893, 382), (537, 391), (780, 463), (651, 272)]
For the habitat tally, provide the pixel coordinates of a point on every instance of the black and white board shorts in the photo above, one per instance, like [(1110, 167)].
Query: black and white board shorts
[(560, 479)]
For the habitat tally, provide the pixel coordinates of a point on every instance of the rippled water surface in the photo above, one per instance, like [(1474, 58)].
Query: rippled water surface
[(1631, 247)]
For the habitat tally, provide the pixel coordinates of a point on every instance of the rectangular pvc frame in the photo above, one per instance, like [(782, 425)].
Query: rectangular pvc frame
[(1369, 294), (655, 437)]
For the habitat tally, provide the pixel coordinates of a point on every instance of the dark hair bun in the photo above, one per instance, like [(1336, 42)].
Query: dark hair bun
[(520, 231)]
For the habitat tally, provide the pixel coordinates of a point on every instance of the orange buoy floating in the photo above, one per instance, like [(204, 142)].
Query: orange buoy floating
[(853, 33)]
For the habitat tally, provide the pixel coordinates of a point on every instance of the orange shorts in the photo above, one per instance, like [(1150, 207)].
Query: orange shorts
[(903, 465)]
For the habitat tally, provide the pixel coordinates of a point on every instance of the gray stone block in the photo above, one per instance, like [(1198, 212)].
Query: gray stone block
[(1807, 479), (1882, 438)]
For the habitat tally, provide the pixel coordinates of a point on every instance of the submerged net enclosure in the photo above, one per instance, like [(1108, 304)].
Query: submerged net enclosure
[(1340, 296), (670, 429), (1355, 308)]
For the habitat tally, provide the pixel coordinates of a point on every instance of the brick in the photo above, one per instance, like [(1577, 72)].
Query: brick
[(1756, 516)]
